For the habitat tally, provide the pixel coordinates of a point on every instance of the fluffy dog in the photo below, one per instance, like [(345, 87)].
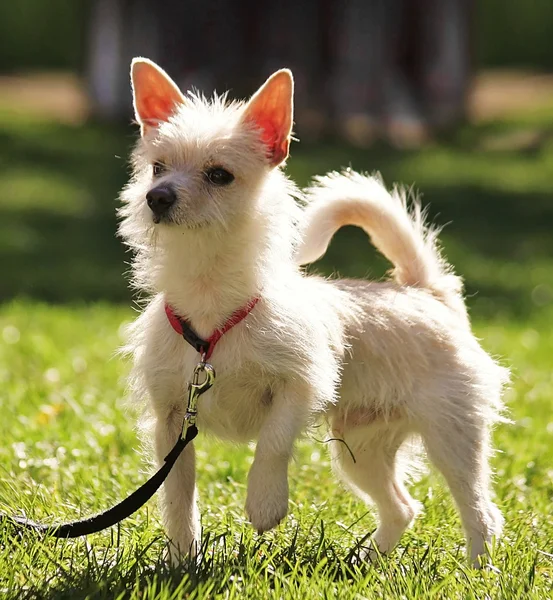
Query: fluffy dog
[(214, 223)]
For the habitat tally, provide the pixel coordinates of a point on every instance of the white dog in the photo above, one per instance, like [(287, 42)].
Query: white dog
[(216, 230)]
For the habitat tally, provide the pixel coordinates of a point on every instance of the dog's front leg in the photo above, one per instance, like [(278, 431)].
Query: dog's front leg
[(179, 506), (267, 500)]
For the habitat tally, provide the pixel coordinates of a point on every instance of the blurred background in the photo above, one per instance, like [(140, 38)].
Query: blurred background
[(451, 96)]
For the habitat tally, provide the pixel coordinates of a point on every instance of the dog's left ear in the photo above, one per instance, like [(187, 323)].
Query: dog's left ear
[(271, 110), (155, 95)]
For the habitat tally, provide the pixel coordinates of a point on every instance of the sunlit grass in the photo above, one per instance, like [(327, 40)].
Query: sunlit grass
[(70, 449)]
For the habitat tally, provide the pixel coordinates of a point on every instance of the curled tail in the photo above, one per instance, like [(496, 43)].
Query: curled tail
[(400, 234)]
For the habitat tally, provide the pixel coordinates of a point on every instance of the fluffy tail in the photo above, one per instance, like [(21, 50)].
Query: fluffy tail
[(400, 234)]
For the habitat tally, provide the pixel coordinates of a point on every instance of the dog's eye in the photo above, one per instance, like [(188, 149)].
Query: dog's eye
[(219, 176), (158, 169)]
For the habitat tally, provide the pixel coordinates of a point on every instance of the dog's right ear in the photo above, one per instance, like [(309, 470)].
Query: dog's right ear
[(155, 95)]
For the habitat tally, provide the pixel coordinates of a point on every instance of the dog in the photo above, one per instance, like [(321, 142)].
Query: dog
[(216, 226)]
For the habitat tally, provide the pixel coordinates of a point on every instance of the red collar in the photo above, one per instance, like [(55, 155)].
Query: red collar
[(206, 347)]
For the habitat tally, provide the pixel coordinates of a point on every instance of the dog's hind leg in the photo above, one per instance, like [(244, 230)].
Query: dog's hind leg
[(376, 474), (459, 447)]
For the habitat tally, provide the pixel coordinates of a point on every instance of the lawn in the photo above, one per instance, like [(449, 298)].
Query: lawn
[(69, 447)]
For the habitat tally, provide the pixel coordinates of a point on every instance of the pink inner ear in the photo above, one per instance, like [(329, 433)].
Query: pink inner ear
[(269, 133), (155, 95), (156, 109), (270, 110), (273, 136)]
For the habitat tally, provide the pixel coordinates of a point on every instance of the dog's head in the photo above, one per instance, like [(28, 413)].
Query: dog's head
[(199, 163)]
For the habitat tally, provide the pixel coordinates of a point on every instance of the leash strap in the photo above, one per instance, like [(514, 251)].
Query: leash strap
[(113, 515), (138, 498)]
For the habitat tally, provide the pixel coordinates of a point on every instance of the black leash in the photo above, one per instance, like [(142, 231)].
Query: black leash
[(137, 499), (116, 513)]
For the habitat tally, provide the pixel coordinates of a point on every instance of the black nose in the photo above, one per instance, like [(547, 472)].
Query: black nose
[(160, 200)]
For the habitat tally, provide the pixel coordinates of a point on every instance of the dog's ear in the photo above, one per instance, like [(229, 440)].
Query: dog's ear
[(271, 109), (155, 94)]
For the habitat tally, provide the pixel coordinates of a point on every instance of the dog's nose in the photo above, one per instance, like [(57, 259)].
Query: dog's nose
[(160, 200)]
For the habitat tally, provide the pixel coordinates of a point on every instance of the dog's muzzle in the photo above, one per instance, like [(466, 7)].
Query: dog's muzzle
[(160, 200)]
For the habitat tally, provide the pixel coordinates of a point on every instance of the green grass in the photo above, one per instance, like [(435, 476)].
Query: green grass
[(69, 449), (69, 446)]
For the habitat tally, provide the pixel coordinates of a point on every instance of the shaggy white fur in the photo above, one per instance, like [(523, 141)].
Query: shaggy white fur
[(379, 362)]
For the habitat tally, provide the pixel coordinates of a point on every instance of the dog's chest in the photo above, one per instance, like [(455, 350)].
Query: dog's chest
[(234, 408)]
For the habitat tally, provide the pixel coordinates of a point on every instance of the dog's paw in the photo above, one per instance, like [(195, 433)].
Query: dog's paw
[(186, 550), (267, 501), (267, 512)]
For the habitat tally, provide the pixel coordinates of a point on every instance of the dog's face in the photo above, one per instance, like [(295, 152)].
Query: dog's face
[(198, 163)]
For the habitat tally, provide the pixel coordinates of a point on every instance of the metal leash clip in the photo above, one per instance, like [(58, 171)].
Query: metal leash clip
[(195, 390)]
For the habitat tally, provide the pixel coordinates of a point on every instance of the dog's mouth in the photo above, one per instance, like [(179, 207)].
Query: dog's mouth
[(166, 218), (169, 219)]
